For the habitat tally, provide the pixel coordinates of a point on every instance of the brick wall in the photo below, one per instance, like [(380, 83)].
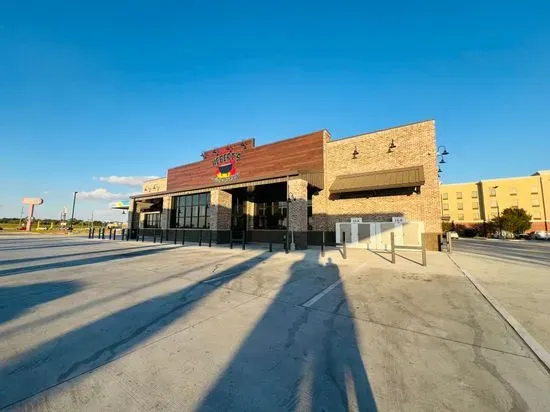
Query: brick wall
[(415, 146)]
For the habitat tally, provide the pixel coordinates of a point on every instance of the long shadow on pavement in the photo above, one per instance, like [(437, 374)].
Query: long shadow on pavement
[(80, 262), (47, 246), (293, 355), (95, 252), (4, 334), (15, 300), (296, 359), (101, 341)]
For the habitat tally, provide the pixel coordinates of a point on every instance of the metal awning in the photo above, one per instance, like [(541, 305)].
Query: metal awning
[(384, 179)]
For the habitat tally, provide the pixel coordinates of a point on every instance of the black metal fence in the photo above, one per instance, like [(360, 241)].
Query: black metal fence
[(269, 238)]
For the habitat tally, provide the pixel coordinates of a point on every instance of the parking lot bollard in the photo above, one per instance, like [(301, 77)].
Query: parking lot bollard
[(344, 244), (423, 245), (244, 239), (200, 237), (210, 238), (323, 245), (285, 243), (143, 235), (161, 235), (392, 245), (230, 239), (183, 238), (154, 235)]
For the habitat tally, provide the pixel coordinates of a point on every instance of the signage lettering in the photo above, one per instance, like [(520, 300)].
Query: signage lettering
[(225, 165)]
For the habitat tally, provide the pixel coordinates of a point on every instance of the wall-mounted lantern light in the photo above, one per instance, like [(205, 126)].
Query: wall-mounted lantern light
[(441, 153), (355, 153), (391, 147)]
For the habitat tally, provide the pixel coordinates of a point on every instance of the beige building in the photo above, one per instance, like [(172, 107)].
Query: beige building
[(305, 185), (477, 202)]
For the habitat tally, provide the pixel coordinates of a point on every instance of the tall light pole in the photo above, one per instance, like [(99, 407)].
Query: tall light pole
[(498, 212), (72, 213)]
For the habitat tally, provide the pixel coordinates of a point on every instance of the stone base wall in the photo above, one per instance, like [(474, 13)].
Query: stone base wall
[(297, 191), (220, 210)]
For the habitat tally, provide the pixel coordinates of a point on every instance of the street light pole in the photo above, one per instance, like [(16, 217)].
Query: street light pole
[(498, 213), (72, 213)]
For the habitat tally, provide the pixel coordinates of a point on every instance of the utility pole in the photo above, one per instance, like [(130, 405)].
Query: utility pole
[(498, 213), (20, 218), (72, 213)]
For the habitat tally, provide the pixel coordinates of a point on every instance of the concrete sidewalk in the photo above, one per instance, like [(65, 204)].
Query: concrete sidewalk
[(96, 325), (523, 289)]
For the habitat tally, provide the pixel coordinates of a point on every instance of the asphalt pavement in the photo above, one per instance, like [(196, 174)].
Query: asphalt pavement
[(521, 251)]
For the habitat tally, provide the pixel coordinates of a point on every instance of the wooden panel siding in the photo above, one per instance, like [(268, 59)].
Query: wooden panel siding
[(274, 159)]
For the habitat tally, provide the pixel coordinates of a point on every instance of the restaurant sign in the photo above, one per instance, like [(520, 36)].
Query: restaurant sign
[(225, 165)]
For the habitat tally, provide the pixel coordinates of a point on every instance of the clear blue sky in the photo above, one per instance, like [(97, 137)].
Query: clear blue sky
[(130, 88)]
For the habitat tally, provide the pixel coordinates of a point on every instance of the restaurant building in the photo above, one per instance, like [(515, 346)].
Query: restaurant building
[(303, 185)]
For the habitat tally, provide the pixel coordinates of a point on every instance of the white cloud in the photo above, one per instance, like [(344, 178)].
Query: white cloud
[(126, 180), (100, 194)]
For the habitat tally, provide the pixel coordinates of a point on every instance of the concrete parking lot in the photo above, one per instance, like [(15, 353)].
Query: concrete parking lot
[(96, 325), (517, 274)]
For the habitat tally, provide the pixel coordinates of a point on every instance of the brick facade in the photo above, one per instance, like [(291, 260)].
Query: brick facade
[(415, 146)]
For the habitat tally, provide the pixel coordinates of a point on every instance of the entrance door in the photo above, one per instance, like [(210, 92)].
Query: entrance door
[(238, 218)]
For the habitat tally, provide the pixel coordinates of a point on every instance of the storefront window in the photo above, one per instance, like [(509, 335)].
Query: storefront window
[(152, 221), (270, 215), (191, 211)]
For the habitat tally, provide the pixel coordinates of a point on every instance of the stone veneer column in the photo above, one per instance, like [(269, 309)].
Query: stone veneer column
[(166, 212), (297, 190), (220, 210), (131, 212)]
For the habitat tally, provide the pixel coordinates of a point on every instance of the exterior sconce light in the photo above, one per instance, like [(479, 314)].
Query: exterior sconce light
[(203, 156), (355, 153), (441, 153), (391, 146), (243, 145)]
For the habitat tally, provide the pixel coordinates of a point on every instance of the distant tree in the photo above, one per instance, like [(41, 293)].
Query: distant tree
[(513, 220), (447, 226)]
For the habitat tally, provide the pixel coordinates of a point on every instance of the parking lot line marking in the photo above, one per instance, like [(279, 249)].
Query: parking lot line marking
[(535, 347), (321, 294)]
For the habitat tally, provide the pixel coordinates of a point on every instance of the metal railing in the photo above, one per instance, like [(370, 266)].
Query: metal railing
[(421, 248), (208, 236)]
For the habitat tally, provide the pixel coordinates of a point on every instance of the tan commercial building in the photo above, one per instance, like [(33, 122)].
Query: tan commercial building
[(477, 202), (305, 186)]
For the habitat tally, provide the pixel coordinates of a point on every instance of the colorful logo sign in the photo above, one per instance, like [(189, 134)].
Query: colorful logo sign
[(225, 165)]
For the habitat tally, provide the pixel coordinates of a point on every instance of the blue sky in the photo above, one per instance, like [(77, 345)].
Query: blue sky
[(99, 89)]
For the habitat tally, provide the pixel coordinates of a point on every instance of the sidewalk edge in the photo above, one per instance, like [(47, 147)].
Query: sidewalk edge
[(542, 355)]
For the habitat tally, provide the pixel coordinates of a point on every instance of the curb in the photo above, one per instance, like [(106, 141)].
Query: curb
[(542, 355)]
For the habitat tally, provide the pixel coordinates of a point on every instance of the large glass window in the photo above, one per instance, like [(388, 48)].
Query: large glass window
[(151, 220), (270, 215), (191, 211)]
